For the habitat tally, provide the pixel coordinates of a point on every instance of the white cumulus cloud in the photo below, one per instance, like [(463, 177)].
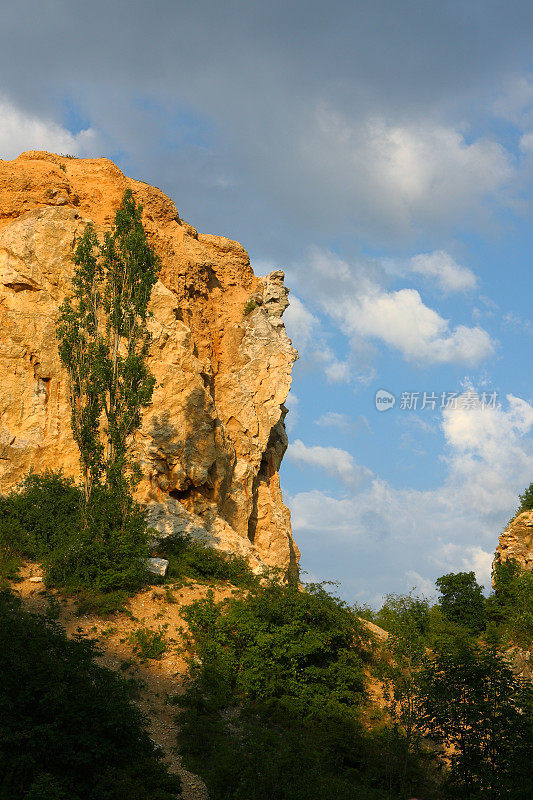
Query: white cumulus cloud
[(305, 330), (338, 463), (444, 270), (402, 320), (20, 131), (397, 177), (399, 319), (399, 537), (302, 326)]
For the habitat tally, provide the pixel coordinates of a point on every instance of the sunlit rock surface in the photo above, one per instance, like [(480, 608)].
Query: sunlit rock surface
[(213, 439)]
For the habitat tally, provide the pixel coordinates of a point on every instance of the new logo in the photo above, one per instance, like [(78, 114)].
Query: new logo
[(384, 400)]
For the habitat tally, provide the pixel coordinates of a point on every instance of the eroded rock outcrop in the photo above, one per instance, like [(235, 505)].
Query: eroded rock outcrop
[(212, 441), (516, 541)]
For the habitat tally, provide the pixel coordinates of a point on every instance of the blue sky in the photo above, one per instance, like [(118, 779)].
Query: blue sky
[(382, 154)]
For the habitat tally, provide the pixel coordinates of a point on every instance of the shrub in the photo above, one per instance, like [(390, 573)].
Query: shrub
[(101, 563), (43, 521), (462, 601), (291, 650), (272, 709), (147, 643), (41, 515), (481, 711), (526, 500), (102, 604), (249, 306), (69, 729), (190, 559)]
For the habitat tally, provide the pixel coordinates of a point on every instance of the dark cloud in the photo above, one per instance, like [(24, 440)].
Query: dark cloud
[(261, 78)]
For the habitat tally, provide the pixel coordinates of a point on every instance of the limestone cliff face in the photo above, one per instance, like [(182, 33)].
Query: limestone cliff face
[(517, 541), (212, 441)]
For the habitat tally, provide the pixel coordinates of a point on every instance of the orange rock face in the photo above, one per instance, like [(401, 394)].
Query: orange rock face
[(212, 441), (516, 541)]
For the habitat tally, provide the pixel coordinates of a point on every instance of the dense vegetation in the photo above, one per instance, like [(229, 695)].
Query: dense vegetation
[(274, 707), (276, 704), (43, 521), (69, 730), (471, 702), (190, 559), (450, 677)]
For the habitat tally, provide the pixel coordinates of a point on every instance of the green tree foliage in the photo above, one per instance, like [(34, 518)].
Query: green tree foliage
[(408, 621), (293, 651), (405, 615), (273, 708), (475, 706), (462, 600), (43, 520), (505, 576), (69, 730), (510, 606), (104, 343), (451, 681), (190, 559), (526, 500)]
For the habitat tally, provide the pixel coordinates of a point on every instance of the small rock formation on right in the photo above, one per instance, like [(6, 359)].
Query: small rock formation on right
[(517, 541)]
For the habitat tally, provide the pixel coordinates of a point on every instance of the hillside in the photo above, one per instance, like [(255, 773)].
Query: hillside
[(214, 672), (160, 678)]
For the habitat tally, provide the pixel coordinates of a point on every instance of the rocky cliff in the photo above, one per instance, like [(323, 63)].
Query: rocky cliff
[(517, 541), (212, 441)]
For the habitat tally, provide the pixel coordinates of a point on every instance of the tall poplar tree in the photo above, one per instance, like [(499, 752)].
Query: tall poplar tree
[(104, 342)]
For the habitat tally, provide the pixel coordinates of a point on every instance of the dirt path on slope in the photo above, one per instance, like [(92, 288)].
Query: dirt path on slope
[(159, 679)]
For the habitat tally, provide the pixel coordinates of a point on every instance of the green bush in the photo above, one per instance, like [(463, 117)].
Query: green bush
[(403, 613), (39, 517), (510, 606), (44, 521), (462, 601), (291, 650), (147, 643), (249, 307), (108, 564), (481, 712), (526, 500), (69, 730), (190, 559), (273, 707)]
